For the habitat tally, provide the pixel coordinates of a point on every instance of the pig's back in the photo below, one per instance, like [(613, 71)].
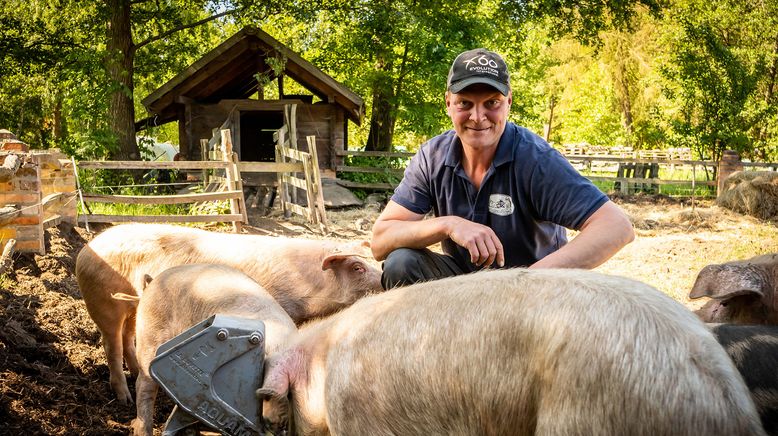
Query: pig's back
[(519, 352), (185, 295)]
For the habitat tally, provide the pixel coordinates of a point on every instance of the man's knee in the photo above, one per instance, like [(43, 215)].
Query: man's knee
[(406, 266), (401, 267)]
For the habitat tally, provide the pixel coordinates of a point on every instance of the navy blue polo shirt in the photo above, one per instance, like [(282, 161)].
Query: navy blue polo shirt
[(528, 196)]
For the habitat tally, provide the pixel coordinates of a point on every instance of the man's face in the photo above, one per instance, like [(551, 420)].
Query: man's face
[(479, 114)]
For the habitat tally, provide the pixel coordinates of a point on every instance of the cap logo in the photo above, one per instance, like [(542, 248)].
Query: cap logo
[(482, 64), (478, 66)]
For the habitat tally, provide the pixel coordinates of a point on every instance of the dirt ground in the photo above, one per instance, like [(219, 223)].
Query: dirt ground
[(53, 375)]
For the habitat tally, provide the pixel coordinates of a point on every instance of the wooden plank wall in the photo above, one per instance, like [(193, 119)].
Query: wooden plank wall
[(323, 120), (326, 123)]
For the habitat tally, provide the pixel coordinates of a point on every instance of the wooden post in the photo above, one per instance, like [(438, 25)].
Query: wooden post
[(204, 157), (280, 158), (694, 182), (309, 189), (729, 163), (317, 186), (239, 187), (629, 171), (230, 176), (290, 119)]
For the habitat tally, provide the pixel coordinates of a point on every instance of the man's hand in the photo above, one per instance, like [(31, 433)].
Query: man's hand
[(481, 241), (398, 227)]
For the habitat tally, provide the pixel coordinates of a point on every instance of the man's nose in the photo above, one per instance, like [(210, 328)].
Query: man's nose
[(478, 114)]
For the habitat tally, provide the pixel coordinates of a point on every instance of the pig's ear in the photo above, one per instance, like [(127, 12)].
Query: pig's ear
[(332, 259), (275, 384), (146, 280), (726, 281)]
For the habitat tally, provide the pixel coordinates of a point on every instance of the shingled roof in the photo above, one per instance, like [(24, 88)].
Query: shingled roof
[(228, 72)]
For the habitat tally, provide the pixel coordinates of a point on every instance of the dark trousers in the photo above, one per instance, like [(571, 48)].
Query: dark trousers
[(406, 266)]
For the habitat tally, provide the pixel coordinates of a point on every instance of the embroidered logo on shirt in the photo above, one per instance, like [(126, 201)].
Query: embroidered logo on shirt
[(500, 204)]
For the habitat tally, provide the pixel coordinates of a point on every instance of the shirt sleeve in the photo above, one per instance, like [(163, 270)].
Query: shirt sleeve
[(413, 192), (560, 194)]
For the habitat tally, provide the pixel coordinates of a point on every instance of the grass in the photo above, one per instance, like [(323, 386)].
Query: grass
[(673, 243), (123, 183)]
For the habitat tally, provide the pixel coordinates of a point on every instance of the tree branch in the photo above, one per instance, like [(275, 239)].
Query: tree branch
[(185, 26)]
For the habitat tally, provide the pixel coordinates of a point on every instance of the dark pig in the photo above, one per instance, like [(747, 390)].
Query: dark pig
[(741, 292), (754, 350)]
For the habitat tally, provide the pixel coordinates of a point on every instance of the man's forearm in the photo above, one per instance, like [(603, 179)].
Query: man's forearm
[(389, 235), (597, 242)]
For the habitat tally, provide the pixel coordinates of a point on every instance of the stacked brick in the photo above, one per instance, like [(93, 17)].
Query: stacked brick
[(40, 178), (23, 193)]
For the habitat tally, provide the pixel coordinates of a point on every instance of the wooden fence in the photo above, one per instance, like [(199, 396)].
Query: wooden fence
[(232, 191), (289, 163), (627, 174), (397, 173)]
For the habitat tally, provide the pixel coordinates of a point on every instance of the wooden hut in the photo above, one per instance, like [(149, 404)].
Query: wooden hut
[(216, 92)]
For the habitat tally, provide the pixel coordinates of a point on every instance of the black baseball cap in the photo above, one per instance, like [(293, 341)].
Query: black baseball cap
[(479, 66)]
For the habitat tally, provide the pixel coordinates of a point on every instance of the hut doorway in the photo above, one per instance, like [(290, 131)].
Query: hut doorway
[(256, 135)]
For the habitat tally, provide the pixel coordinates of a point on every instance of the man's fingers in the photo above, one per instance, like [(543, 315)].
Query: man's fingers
[(483, 252), (491, 252), (475, 254), (500, 256), (481, 242)]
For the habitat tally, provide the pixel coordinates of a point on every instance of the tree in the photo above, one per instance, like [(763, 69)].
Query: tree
[(714, 85), (42, 49), (165, 19), (630, 63), (396, 53)]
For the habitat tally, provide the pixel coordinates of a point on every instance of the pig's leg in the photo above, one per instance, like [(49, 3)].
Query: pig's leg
[(112, 343), (146, 393), (128, 344)]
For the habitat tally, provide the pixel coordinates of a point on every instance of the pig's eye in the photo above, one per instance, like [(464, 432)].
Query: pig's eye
[(358, 268)]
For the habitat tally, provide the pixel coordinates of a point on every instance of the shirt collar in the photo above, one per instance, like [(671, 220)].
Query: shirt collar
[(504, 148)]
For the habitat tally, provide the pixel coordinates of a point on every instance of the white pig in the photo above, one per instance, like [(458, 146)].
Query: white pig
[(182, 296), (520, 352), (309, 278)]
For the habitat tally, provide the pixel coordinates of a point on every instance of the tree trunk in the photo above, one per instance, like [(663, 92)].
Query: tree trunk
[(382, 120), (382, 116), (119, 63), (550, 123), (58, 129), (626, 103)]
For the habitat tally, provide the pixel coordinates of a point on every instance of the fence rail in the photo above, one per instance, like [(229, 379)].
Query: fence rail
[(233, 191), (618, 163)]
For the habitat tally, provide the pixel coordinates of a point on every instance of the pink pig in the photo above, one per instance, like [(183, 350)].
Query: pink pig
[(309, 278)]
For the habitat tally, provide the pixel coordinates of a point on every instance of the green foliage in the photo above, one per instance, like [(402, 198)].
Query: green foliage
[(713, 86), (701, 74), (387, 163)]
